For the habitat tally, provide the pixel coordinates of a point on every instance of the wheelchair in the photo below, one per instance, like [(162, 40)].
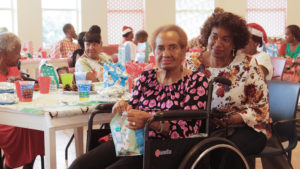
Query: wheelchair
[(184, 153)]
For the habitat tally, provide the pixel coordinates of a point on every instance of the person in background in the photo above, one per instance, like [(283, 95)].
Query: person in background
[(245, 103), (66, 47), (127, 49), (143, 48), (172, 86), (20, 145), (93, 59), (78, 52), (291, 49), (257, 38)]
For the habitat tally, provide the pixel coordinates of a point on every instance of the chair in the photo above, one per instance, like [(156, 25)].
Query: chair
[(94, 134), (283, 98), (278, 66), (3, 156), (1, 159)]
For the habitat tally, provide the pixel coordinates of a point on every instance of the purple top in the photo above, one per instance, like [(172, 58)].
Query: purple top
[(188, 93)]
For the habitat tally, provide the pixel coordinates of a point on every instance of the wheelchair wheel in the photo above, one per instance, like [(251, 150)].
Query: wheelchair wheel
[(214, 153)]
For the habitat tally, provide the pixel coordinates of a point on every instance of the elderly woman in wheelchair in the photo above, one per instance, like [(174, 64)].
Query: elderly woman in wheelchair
[(169, 87)]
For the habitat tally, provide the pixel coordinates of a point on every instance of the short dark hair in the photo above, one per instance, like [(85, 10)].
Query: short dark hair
[(295, 30), (142, 34), (95, 29), (67, 27), (182, 35), (92, 37), (235, 24)]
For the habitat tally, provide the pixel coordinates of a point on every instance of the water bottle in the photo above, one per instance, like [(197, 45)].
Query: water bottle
[(53, 85)]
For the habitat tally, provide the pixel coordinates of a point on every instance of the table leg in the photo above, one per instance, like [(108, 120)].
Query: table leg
[(78, 135), (50, 149)]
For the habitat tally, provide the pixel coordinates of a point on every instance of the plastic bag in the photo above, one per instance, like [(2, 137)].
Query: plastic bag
[(127, 142)]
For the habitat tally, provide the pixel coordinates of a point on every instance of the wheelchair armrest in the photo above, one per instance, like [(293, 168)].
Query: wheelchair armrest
[(180, 115), (285, 121), (105, 106)]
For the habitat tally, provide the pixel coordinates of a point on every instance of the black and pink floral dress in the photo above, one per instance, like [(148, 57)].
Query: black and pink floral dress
[(188, 93)]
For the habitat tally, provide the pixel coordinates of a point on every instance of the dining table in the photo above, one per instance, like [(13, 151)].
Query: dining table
[(51, 112)]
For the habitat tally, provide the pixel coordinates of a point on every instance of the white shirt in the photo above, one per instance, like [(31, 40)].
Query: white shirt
[(264, 59)]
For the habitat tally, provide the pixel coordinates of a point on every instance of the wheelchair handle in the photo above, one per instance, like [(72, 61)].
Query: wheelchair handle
[(105, 106), (180, 115)]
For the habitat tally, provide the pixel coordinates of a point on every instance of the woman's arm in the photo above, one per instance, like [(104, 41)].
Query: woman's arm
[(255, 104)]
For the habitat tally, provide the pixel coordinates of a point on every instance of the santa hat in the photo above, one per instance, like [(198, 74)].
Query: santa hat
[(126, 29), (257, 30)]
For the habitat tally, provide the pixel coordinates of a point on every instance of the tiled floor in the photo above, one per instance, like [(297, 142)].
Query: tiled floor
[(64, 136)]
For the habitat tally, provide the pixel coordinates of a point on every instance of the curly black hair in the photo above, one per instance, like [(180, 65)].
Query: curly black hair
[(295, 30), (235, 24)]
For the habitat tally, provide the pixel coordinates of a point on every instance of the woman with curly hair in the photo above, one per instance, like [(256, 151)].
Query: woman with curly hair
[(245, 103), (291, 48)]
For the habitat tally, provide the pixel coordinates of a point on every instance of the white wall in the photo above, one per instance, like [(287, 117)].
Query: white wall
[(293, 12), (94, 13), (30, 21), (157, 13), (235, 6)]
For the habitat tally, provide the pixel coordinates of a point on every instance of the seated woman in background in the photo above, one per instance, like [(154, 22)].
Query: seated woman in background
[(93, 59), (257, 38), (78, 52), (246, 100), (20, 145), (291, 49), (169, 87)]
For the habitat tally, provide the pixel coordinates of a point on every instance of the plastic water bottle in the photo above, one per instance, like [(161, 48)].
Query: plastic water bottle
[(53, 85)]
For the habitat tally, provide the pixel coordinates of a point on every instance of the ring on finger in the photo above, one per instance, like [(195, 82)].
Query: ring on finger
[(133, 123)]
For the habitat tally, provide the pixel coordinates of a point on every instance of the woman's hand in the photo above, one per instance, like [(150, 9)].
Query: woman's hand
[(223, 122), (91, 76), (121, 106), (137, 119)]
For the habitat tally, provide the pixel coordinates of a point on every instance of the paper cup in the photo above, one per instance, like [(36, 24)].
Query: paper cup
[(67, 79), (44, 84), (26, 90), (18, 90), (84, 89)]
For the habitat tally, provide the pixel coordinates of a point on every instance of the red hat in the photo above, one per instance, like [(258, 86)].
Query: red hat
[(257, 30), (126, 29)]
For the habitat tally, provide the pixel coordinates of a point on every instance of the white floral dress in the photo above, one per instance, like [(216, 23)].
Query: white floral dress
[(248, 95)]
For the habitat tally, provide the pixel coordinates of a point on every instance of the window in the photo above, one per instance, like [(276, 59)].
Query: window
[(8, 15), (191, 14), (269, 14), (55, 14), (120, 13)]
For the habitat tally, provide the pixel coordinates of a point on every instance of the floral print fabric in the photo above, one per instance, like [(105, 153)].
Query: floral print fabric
[(189, 93), (248, 95)]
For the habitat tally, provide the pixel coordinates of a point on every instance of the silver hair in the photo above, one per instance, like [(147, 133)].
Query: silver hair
[(8, 42)]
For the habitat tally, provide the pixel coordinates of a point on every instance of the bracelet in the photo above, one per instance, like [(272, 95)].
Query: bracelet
[(162, 124)]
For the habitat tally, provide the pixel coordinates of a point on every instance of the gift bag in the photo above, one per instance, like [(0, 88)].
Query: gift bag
[(48, 70), (127, 142), (114, 74)]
